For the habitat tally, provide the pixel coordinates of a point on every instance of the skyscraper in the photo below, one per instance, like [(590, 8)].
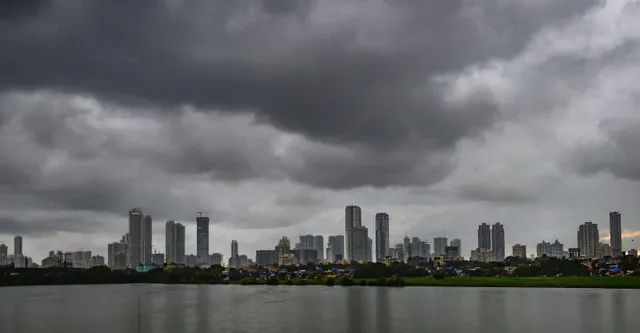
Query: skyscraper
[(318, 241), (17, 246), (140, 232), (369, 250), (352, 220), (4, 250), (615, 234), (382, 236), (202, 239), (234, 254), (174, 243), (484, 236), (440, 246), (588, 240), (497, 241), (359, 240)]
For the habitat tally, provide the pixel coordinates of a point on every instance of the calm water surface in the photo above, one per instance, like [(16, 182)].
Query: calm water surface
[(178, 309)]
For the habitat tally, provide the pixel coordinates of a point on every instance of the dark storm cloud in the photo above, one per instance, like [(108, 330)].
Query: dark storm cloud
[(361, 78)]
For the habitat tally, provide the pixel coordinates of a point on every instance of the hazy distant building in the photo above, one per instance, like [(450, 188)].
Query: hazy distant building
[(17, 246), (202, 240), (382, 236), (452, 253), (174, 243), (440, 246), (157, 259), (604, 250), (335, 248), (265, 257), (588, 240), (216, 259), (117, 253), (140, 237), (191, 260), (497, 241), (484, 236), (318, 241), (369, 250), (283, 249), (97, 261), (482, 255), (81, 259), (543, 249), (234, 261), (352, 220), (4, 250), (632, 253), (425, 250), (615, 234), (519, 251), (457, 243)]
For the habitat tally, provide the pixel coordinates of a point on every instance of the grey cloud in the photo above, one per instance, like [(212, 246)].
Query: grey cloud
[(617, 154)]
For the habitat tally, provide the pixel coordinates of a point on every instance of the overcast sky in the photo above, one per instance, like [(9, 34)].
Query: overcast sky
[(274, 115)]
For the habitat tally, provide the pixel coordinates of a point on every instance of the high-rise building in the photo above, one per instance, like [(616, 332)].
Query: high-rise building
[(117, 253), (497, 241), (588, 240), (139, 238), (174, 243), (382, 236), (17, 246), (615, 234), (484, 236), (202, 240), (352, 220), (319, 246), (4, 250), (519, 251), (369, 249), (556, 249), (457, 243), (440, 246), (335, 248), (234, 260)]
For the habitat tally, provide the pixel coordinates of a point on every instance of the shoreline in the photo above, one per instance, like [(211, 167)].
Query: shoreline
[(619, 282)]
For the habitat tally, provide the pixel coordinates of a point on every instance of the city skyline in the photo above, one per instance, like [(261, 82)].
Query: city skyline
[(588, 241)]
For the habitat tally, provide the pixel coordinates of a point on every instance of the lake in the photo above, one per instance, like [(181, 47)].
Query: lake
[(193, 308)]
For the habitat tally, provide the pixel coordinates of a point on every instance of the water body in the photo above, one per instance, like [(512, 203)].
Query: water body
[(239, 309)]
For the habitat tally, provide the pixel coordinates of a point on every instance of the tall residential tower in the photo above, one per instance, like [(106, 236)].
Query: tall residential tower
[(174, 243), (139, 238), (202, 239), (615, 234), (382, 236)]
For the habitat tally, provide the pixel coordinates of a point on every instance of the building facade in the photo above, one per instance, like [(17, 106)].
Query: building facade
[(382, 236), (588, 240), (202, 240), (484, 236), (497, 241), (266, 257), (519, 251), (140, 238), (440, 246), (335, 248), (174, 243), (615, 233), (352, 220)]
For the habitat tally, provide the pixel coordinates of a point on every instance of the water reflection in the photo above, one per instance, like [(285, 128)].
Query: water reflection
[(492, 310), (203, 310), (174, 311), (591, 311), (382, 302), (355, 309)]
